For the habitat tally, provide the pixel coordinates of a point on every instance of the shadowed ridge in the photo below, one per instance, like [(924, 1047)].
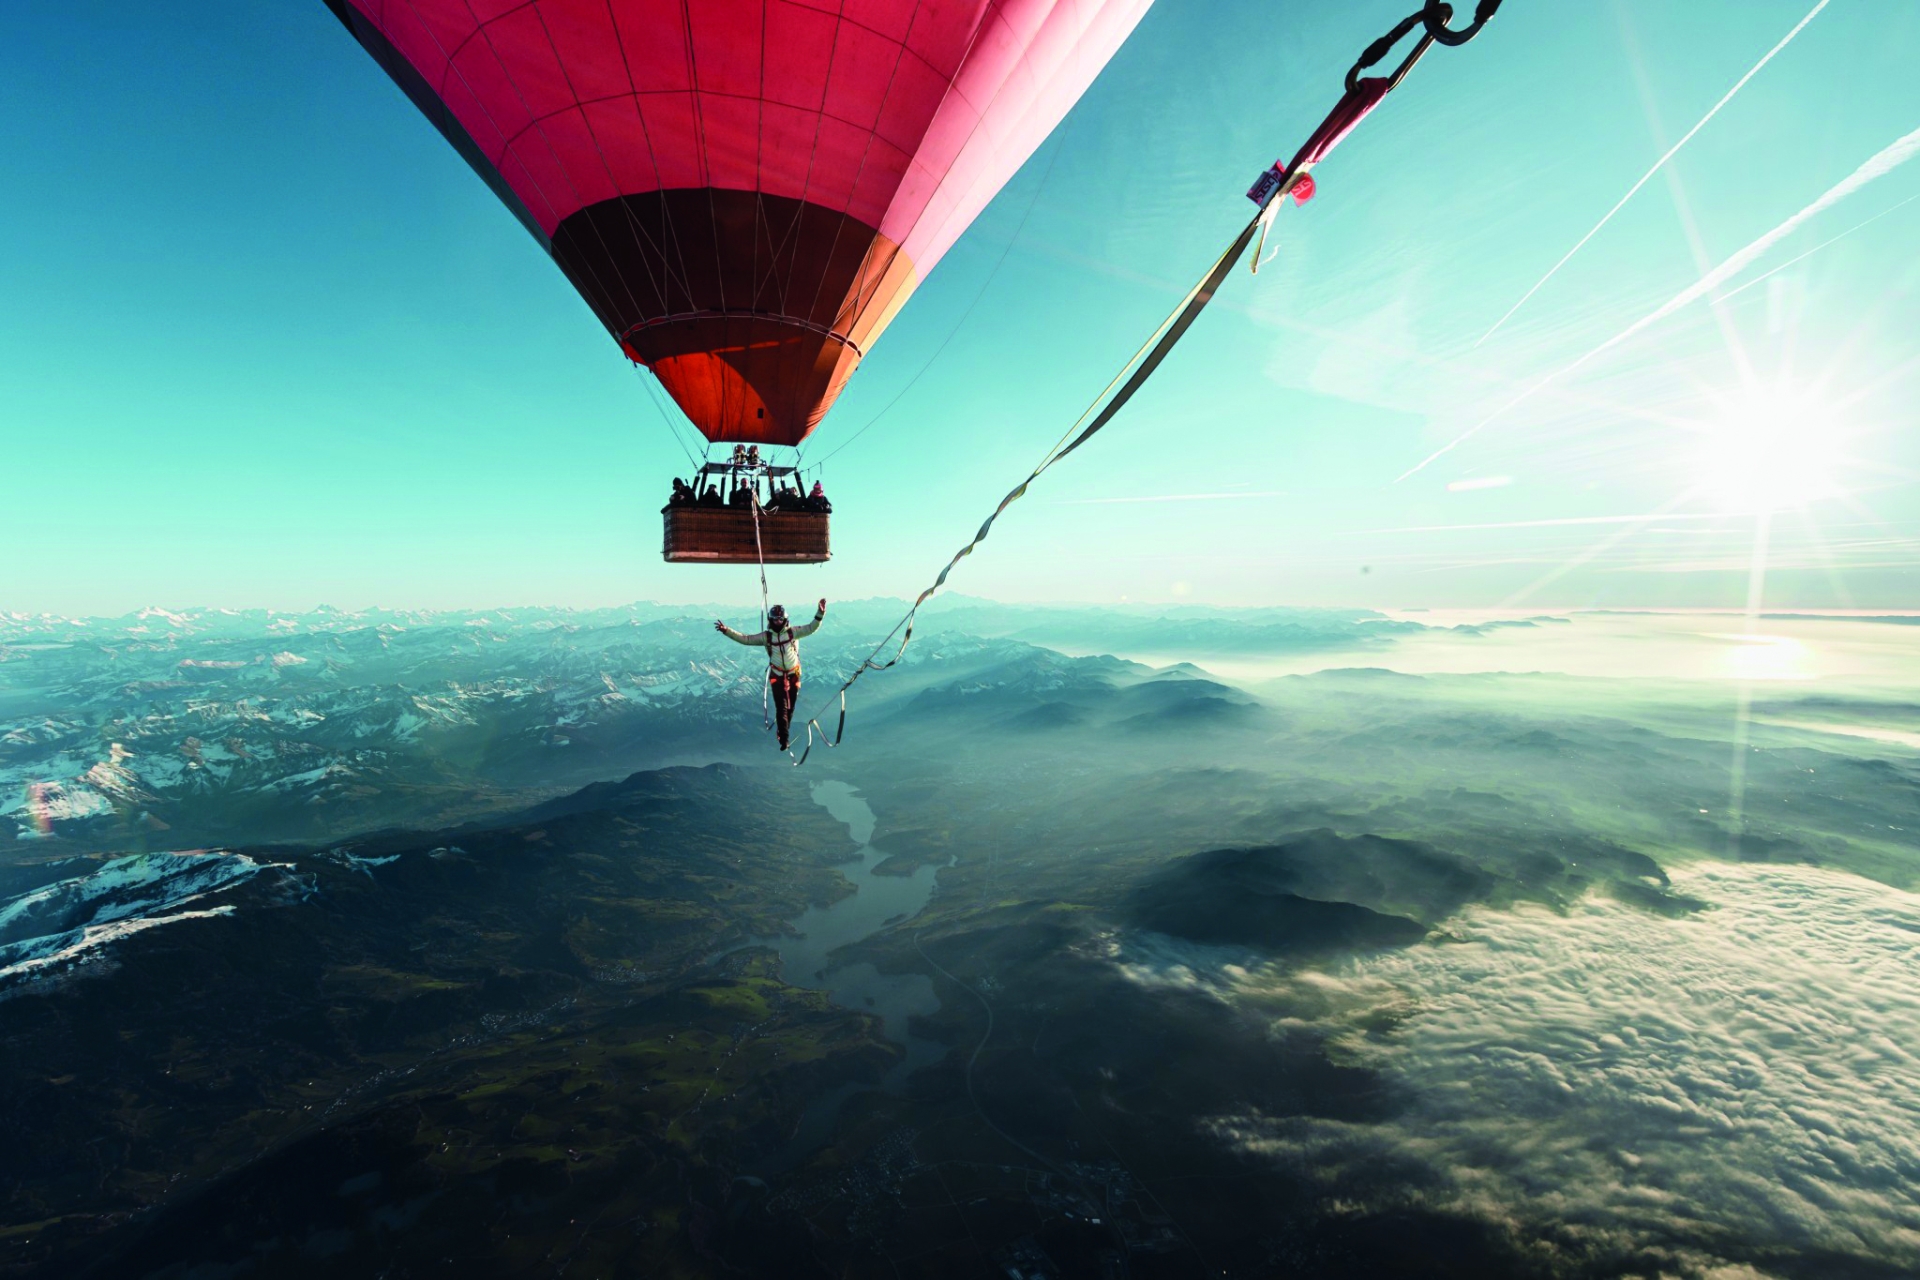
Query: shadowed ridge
[(1260, 898)]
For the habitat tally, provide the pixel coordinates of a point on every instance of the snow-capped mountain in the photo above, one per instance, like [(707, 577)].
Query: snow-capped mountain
[(85, 904), (165, 729), (205, 726)]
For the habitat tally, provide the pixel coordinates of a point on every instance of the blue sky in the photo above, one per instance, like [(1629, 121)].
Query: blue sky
[(265, 340)]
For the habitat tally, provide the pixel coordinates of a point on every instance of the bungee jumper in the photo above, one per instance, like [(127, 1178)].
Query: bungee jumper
[(782, 643)]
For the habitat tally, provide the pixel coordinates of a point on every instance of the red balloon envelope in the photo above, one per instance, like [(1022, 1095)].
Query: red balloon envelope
[(744, 191)]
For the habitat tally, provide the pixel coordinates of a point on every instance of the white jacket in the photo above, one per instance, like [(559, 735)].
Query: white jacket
[(782, 647)]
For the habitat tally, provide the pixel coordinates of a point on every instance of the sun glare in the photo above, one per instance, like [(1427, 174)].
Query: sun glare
[(1769, 450), (1761, 657)]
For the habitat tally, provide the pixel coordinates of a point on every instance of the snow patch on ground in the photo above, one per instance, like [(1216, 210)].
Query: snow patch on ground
[(354, 862), (48, 927), (83, 945)]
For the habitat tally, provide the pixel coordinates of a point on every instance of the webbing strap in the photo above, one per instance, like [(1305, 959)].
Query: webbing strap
[(1196, 303), (1169, 333), (1353, 107), (1295, 178)]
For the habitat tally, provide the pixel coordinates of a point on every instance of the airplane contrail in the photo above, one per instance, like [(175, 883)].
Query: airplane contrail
[(1657, 166), (1882, 162), (1772, 271)]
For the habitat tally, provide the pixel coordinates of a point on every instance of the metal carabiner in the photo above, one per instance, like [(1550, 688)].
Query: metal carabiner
[(1437, 15), (1384, 45)]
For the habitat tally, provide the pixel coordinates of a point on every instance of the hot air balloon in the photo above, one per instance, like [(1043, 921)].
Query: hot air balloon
[(745, 192)]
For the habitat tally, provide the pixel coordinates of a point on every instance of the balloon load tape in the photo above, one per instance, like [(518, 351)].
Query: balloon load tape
[(1269, 182), (1265, 185)]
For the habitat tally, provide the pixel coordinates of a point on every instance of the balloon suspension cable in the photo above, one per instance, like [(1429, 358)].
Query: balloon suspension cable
[(1362, 95), (646, 380), (965, 315)]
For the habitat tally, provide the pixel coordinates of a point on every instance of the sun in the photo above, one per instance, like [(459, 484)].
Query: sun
[(1768, 449)]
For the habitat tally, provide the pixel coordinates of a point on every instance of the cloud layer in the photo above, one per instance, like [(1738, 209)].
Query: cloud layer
[(1738, 1088)]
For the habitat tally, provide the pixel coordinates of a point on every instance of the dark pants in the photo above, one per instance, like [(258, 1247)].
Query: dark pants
[(786, 691)]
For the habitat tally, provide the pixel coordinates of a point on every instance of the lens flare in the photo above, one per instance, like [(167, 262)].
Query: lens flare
[(1751, 656), (39, 812), (1769, 451)]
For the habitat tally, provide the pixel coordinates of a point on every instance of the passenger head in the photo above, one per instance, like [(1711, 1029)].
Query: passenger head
[(777, 616)]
